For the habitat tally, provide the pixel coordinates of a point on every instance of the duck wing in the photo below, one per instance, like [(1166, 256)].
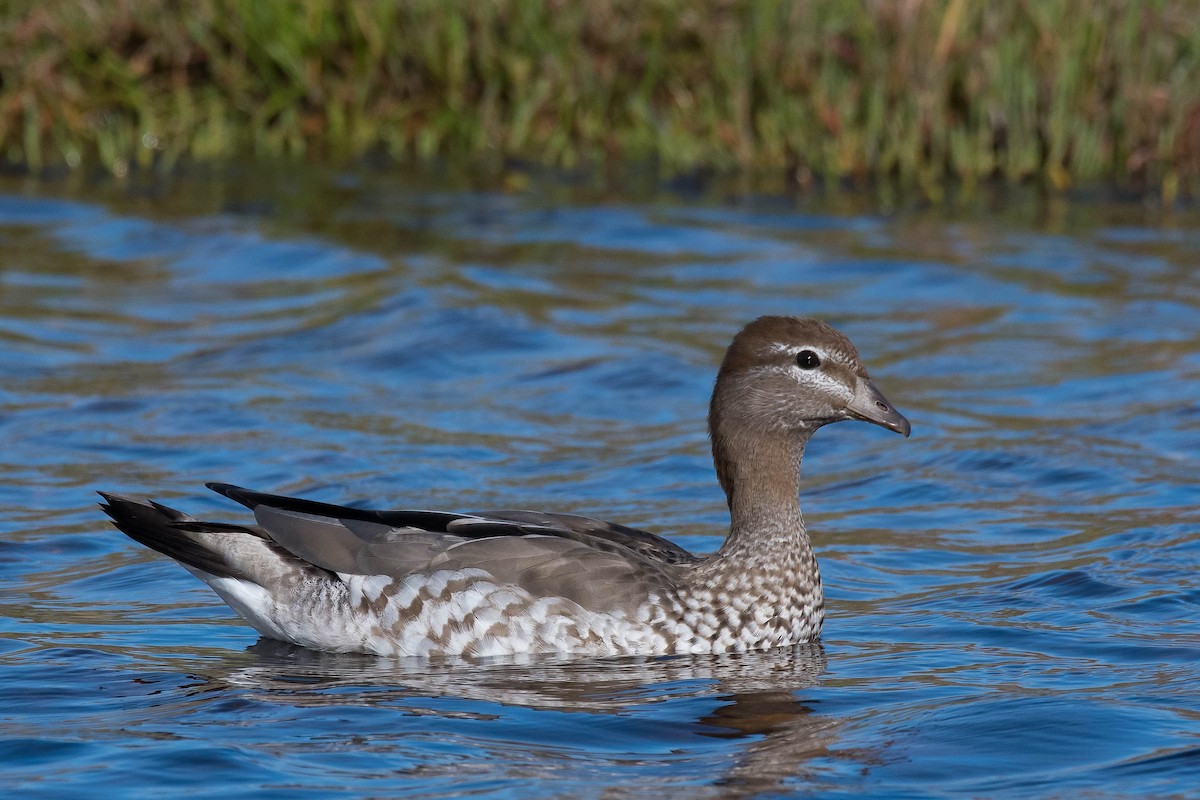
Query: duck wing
[(591, 562)]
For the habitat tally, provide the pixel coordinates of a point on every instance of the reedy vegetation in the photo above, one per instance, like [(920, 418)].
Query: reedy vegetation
[(914, 91)]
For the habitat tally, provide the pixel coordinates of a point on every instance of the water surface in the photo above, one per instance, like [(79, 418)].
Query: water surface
[(1013, 607)]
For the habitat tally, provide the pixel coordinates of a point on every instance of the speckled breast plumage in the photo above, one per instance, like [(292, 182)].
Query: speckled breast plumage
[(464, 612)]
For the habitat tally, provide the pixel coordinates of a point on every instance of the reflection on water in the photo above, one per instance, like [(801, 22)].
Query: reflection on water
[(1012, 597), (608, 685), (756, 698)]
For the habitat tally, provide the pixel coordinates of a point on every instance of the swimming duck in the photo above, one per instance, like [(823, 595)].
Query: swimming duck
[(426, 583)]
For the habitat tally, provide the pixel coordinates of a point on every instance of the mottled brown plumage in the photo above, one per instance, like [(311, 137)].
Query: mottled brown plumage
[(425, 582)]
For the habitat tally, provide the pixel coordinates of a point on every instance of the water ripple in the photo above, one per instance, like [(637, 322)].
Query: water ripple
[(1011, 593)]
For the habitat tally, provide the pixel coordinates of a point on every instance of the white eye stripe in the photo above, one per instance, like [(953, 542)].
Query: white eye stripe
[(825, 355), (794, 350), (797, 349)]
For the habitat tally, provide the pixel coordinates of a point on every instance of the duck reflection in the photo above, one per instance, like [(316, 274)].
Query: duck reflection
[(755, 698)]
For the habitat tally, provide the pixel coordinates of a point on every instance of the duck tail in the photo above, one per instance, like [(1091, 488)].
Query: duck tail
[(241, 564), (208, 547)]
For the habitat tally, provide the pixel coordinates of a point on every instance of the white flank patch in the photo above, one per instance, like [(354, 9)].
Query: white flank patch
[(250, 600), (434, 583), (406, 594), (367, 588)]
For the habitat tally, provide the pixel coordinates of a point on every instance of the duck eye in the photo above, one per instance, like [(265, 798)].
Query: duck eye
[(807, 359)]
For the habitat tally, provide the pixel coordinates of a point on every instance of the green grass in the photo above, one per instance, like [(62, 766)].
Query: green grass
[(899, 91)]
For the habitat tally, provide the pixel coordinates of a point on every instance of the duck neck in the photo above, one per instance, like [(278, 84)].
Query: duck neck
[(761, 479)]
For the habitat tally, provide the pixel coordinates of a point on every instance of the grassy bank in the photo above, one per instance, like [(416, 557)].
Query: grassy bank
[(907, 90)]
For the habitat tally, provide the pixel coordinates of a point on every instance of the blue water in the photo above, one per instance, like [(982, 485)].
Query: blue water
[(1013, 593)]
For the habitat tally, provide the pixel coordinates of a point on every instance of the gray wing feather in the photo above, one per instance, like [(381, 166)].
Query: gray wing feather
[(590, 529), (595, 573), (352, 547)]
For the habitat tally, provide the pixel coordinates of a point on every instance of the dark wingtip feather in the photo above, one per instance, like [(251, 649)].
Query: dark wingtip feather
[(165, 530), (250, 498), (230, 491), (119, 507), (109, 499), (427, 520)]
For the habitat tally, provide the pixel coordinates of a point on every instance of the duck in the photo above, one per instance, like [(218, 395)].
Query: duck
[(400, 583)]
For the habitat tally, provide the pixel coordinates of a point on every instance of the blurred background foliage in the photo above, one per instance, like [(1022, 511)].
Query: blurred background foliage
[(914, 92)]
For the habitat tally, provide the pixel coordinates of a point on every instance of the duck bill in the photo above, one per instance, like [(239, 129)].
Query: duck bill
[(869, 405)]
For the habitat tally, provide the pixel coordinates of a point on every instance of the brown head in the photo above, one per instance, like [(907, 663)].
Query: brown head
[(782, 378)]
